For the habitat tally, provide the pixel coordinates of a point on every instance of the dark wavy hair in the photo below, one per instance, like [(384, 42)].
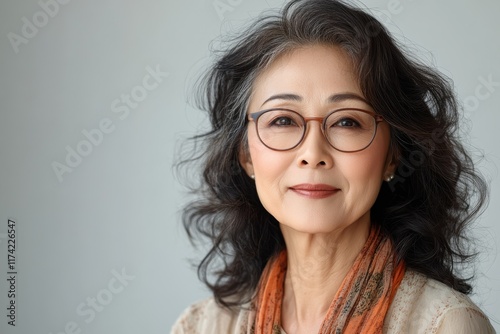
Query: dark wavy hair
[(425, 209)]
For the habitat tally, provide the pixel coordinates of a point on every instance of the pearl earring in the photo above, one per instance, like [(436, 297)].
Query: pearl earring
[(390, 178), (252, 176)]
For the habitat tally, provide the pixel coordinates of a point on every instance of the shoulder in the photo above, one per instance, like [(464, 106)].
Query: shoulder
[(206, 316), (424, 305)]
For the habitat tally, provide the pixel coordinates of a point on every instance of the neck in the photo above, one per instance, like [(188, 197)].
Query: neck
[(317, 265)]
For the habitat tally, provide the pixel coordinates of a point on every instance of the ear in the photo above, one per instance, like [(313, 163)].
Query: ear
[(392, 161), (245, 160)]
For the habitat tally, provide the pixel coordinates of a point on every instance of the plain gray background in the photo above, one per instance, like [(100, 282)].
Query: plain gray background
[(116, 213)]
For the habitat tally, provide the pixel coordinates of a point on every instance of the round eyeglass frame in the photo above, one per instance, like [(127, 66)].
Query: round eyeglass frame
[(254, 117)]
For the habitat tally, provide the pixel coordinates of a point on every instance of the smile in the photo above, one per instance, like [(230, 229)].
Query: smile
[(314, 190)]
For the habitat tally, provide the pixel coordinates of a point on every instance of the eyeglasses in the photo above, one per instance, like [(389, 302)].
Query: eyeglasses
[(346, 129)]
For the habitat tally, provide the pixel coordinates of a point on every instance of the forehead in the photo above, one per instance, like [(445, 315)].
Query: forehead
[(313, 72)]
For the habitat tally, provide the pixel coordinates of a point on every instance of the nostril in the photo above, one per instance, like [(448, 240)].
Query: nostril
[(321, 163)]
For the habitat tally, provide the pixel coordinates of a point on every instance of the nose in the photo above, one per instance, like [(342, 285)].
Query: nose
[(314, 151)]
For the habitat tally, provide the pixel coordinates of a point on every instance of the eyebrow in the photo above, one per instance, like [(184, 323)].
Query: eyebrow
[(332, 98)]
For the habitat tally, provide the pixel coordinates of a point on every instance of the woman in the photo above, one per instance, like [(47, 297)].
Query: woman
[(336, 193)]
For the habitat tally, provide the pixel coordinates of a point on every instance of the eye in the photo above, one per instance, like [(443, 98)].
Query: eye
[(283, 121), (280, 119), (347, 123)]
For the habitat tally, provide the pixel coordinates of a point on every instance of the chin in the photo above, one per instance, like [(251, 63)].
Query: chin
[(312, 225)]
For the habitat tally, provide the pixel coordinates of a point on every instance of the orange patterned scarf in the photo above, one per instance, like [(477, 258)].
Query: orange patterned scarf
[(359, 305)]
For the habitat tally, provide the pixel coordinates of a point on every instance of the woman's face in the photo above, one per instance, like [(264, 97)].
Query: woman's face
[(291, 184)]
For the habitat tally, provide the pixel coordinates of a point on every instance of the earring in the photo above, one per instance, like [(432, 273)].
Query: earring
[(390, 178), (252, 176)]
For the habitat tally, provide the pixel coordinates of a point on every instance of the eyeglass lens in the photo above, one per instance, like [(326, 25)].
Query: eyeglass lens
[(346, 130)]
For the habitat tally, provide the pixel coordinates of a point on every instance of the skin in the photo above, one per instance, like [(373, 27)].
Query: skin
[(323, 235)]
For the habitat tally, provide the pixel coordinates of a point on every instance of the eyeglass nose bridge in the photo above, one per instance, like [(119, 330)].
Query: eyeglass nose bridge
[(320, 120)]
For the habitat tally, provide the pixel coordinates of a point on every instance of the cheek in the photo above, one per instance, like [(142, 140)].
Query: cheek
[(365, 170), (363, 167), (269, 168), (267, 164), (364, 180)]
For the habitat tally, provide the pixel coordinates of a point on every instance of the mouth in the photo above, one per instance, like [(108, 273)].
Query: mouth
[(314, 190)]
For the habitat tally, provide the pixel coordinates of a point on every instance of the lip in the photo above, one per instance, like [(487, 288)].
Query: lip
[(314, 190)]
